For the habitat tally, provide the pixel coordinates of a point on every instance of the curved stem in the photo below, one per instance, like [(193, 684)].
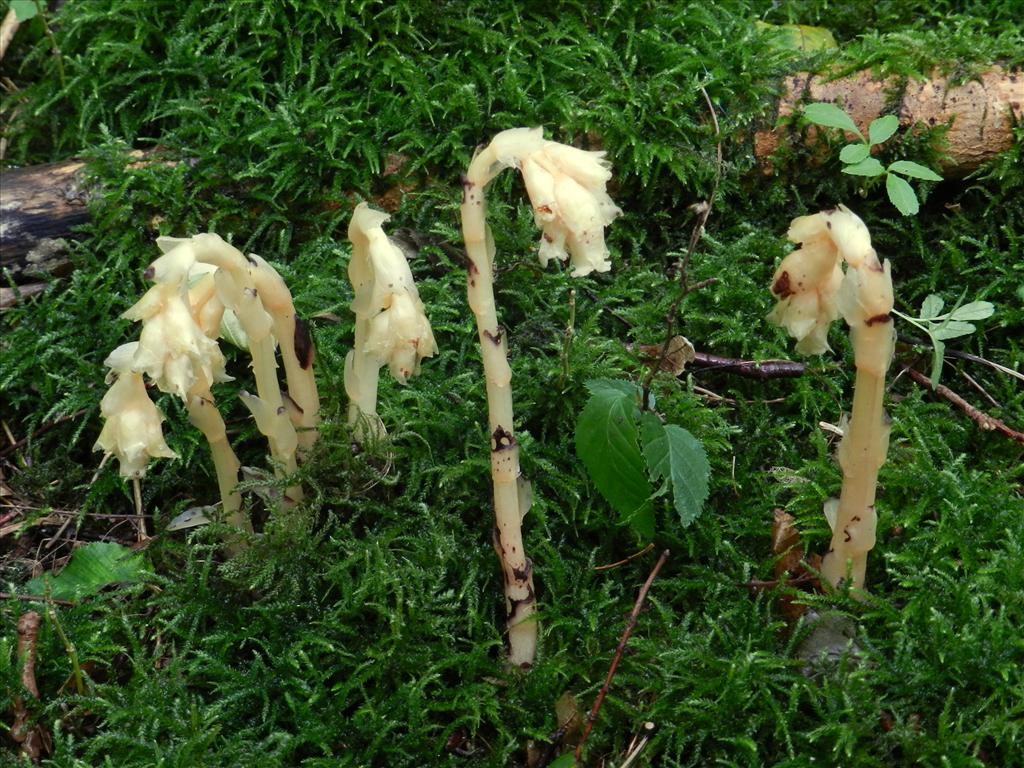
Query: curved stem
[(520, 599)]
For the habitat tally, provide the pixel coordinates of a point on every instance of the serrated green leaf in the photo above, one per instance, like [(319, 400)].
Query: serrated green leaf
[(867, 167), (976, 310), (830, 116), (607, 443), (902, 195), (854, 153), (952, 329), (24, 9), (675, 455), (931, 306), (882, 128), (914, 170), (91, 568), (938, 358)]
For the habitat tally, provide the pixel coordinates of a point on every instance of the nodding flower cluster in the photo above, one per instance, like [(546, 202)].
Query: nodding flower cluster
[(198, 284), (812, 290), (566, 187), (391, 325)]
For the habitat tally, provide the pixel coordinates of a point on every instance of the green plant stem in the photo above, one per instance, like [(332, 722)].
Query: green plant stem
[(567, 337), (69, 647), (53, 43)]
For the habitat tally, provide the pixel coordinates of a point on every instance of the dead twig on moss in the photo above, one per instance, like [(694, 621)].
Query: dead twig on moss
[(960, 355), (979, 417), (634, 556), (41, 431), (703, 210), (751, 369), (630, 626), (33, 741), (33, 598)]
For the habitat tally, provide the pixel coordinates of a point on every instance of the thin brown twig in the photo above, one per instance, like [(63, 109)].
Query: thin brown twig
[(963, 356), (41, 431), (984, 392), (33, 598), (634, 556), (703, 210), (979, 417), (751, 369), (630, 626)]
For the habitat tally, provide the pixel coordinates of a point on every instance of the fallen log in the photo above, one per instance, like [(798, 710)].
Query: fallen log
[(980, 113), (39, 206)]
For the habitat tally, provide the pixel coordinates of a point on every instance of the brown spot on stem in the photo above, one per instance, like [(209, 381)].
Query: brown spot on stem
[(523, 574), (502, 440), (149, 274), (495, 338), (781, 286), (544, 208), (848, 538), (515, 605), (828, 225), (305, 351), (855, 519), (883, 318), (467, 185), (251, 260)]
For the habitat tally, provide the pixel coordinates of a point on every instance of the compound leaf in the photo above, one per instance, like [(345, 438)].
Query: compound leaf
[(676, 456), (854, 153), (882, 128), (976, 310), (830, 116), (902, 195), (931, 306), (867, 167), (914, 170), (608, 445)]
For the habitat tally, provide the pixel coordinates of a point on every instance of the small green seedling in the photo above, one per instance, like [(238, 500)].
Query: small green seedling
[(857, 160), (951, 325)]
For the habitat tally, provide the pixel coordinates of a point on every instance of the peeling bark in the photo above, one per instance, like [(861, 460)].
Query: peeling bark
[(980, 113)]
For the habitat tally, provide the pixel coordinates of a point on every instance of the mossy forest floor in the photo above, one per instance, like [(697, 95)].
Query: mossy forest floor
[(364, 627)]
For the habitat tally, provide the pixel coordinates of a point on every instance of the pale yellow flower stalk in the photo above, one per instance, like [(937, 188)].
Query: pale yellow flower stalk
[(297, 350), (391, 325), (237, 290), (173, 350), (176, 319), (809, 298), (566, 187), (132, 431)]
